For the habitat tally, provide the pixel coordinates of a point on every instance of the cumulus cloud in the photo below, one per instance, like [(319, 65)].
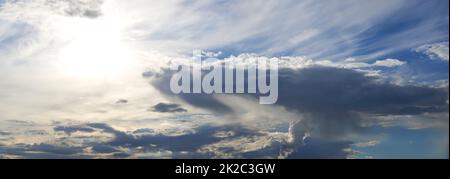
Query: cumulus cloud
[(435, 51), (336, 99), (321, 149), (160, 78)]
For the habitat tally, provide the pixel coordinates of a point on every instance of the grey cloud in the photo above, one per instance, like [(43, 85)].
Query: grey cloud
[(143, 131), (42, 151), (129, 145), (300, 146), (122, 101), (188, 142), (53, 149), (336, 100), (435, 51), (4, 133), (60, 149), (161, 82), (120, 137), (191, 142), (168, 108), (205, 135), (72, 129), (36, 132), (20, 122), (104, 149), (121, 155), (310, 149), (321, 149), (78, 8), (333, 90)]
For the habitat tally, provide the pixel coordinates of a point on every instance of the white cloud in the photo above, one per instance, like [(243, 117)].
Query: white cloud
[(297, 62), (423, 121), (389, 63), (435, 51), (367, 144)]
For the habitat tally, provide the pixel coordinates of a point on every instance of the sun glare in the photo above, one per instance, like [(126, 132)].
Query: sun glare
[(95, 50)]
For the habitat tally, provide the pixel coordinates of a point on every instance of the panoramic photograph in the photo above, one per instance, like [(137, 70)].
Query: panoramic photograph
[(224, 79)]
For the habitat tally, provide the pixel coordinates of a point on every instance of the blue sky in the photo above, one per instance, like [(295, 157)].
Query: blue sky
[(359, 79), (402, 143)]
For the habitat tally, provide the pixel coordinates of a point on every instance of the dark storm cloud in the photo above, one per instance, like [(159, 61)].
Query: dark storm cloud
[(333, 90), (168, 108), (161, 82), (335, 99)]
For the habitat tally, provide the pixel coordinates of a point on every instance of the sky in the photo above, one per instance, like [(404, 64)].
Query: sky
[(358, 79)]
